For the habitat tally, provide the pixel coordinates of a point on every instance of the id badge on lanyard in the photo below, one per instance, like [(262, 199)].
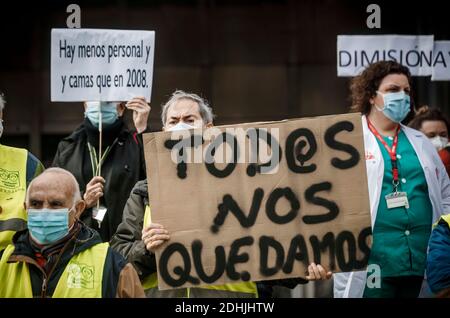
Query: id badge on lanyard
[(395, 199)]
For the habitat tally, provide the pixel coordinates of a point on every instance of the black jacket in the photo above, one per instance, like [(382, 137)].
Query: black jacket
[(122, 168)]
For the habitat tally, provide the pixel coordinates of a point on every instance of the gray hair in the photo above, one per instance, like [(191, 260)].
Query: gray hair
[(204, 108), (2, 102), (76, 186)]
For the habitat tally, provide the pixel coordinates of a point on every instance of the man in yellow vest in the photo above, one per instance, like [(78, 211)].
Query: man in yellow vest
[(17, 168), (58, 256), (137, 238)]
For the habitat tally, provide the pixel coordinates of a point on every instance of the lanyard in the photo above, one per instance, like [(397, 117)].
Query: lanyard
[(391, 151), (94, 159)]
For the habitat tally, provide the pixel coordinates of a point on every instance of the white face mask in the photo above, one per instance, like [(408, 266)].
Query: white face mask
[(439, 142), (181, 126)]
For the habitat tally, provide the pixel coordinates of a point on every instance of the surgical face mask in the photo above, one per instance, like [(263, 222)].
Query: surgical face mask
[(396, 105), (108, 109), (439, 142), (48, 226), (181, 126)]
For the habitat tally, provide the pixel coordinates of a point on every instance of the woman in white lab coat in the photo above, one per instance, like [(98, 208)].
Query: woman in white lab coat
[(408, 187)]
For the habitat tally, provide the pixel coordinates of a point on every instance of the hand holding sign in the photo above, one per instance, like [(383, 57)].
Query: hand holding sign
[(94, 191), (154, 236), (141, 110), (317, 272)]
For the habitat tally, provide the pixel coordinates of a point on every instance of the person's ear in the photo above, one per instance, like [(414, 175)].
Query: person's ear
[(209, 125), (80, 206), (372, 99), (120, 109)]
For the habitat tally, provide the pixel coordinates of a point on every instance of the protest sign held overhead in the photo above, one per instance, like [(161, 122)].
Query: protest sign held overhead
[(101, 65), (249, 218)]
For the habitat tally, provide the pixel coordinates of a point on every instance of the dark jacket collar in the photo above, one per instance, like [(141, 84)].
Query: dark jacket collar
[(109, 133), (78, 240), (141, 188), (86, 131)]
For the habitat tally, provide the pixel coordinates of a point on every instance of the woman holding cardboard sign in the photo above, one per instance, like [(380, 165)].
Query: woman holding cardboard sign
[(408, 187)]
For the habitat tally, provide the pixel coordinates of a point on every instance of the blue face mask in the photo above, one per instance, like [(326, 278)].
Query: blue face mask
[(48, 226), (396, 105), (109, 112)]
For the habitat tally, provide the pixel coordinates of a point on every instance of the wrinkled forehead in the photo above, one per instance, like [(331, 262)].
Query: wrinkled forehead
[(51, 186), (183, 108)]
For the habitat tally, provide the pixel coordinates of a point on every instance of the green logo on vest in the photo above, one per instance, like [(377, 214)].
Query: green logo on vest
[(80, 276), (9, 180)]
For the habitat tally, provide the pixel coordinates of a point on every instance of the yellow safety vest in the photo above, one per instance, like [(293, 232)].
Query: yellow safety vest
[(446, 218), (13, 186), (234, 290), (82, 277)]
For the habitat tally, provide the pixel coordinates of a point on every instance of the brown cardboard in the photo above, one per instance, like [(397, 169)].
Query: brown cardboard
[(187, 207)]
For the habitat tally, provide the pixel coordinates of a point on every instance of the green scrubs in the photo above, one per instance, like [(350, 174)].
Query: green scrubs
[(400, 235)]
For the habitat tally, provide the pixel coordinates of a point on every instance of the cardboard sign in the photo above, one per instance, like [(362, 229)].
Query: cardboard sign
[(441, 72), (101, 65), (356, 52), (236, 221)]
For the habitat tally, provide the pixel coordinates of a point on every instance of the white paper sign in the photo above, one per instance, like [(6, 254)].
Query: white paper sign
[(101, 65), (441, 69), (356, 52)]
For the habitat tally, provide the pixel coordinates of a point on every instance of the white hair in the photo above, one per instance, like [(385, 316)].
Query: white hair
[(76, 186), (203, 106), (2, 102)]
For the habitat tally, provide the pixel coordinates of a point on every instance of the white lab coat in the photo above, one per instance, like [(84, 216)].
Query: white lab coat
[(353, 284)]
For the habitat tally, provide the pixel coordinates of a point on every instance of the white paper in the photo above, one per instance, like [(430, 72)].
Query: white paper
[(441, 69), (101, 65), (356, 52)]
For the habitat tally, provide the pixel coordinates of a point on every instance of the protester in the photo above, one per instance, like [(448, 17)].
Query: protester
[(408, 186), (137, 238), (435, 126), (17, 168), (122, 160), (58, 256), (438, 262)]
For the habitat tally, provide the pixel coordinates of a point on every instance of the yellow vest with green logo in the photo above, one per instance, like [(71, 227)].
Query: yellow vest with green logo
[(82, 277), (244, 289), (13, 186)]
